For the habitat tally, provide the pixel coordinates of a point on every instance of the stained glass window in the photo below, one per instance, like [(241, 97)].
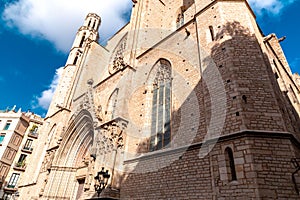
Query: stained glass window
[(161, 107)]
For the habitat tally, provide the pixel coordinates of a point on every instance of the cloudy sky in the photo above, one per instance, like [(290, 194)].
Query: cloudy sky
[(36, 36)]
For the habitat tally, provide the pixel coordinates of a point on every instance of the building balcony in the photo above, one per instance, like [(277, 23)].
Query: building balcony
[(33, 134), (11, 188), (27, 149), (21, 166)]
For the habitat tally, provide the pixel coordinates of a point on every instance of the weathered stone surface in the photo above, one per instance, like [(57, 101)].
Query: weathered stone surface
[(226, 115)]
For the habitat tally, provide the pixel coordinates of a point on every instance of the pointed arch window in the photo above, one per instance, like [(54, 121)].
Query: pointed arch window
[(230, 166), (161, 107), (112, 104)]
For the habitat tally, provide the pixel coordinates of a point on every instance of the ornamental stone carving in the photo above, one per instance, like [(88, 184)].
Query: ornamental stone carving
[(112, 135), (118, 62), (47, 163)]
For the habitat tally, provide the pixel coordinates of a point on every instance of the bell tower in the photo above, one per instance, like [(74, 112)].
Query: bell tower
[(86, 34)]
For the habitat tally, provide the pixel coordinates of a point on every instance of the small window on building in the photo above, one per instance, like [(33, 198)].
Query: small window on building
[(21, 161), (1, 138), (22, 158), (13, 180), (7, 125), (212, 33), (28, 144), (75, 60), (230, 166), (94, 24), (34, 129), (82, 40)]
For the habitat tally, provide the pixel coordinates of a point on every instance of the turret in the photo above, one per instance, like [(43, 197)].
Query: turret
[(86, 33), (64, 92)]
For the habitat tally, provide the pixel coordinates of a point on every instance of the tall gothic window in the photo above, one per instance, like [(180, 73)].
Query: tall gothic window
[(161, 107)]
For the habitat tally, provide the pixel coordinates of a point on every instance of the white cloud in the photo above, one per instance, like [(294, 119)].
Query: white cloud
[(270, 6), (45, 98), (58, 20)]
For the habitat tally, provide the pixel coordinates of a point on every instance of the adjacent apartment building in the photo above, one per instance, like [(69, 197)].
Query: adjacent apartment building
[(19, 134)]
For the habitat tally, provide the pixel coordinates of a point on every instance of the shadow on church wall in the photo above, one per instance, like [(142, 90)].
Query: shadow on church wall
[(253, 102)]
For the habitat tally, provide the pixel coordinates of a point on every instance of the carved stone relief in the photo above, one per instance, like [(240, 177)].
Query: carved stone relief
[(112, 136), (90, 162), (118, 62), (47, 163)]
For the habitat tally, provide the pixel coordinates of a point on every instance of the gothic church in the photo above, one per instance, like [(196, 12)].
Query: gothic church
[(189, 100)]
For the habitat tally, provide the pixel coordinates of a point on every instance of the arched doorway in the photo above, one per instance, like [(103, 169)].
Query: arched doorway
[(69, 170)]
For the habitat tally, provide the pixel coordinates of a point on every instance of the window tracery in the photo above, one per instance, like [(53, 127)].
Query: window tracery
[(161, 107)]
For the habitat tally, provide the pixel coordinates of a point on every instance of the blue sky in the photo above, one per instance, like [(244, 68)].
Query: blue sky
[(36, 35)]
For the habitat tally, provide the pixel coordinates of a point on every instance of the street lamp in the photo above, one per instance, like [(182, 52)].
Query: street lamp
[(101, 181)]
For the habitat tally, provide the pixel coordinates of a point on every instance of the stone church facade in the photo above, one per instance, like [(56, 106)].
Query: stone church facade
[(189, 100)]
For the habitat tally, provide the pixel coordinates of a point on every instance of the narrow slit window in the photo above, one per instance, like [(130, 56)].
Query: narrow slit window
[(230, 166), (82, 40), (212, 34), (75, 60)]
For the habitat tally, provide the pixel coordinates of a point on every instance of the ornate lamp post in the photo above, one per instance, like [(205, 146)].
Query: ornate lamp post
[(101, 181)]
